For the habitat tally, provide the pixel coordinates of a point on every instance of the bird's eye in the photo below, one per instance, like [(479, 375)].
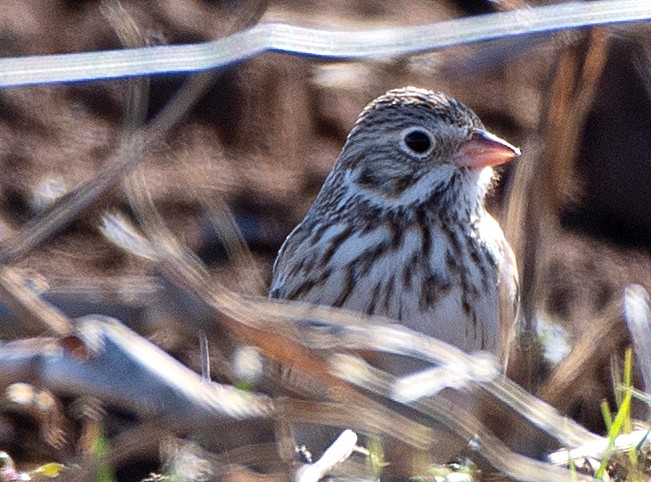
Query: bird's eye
[(416, 140)]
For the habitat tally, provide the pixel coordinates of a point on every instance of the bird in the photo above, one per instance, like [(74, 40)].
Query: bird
[(399, 228)]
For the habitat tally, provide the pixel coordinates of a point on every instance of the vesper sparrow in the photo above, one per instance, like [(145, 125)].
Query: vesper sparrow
[(399, 228)]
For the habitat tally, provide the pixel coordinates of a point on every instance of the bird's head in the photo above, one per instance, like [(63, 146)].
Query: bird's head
[(411, 146)]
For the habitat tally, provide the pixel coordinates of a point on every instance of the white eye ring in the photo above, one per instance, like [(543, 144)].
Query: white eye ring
[(417, 141)]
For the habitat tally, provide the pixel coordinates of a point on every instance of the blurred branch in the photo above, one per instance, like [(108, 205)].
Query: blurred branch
[(598, 449), (469, 427), (377, 419), (133, 148), (323, 43), (157, 384), (125, 27), (539, 185), (125, 158), (339, 451), (145, 440), (637, 314), (249, 276), (34, 313), (607, 331)]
